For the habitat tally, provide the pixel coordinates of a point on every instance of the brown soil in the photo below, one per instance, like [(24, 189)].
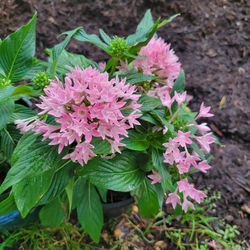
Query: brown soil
[(212, 39)]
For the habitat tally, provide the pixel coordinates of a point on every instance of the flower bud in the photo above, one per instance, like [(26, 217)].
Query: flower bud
[(41, 79), (118, 46), (4, 82)]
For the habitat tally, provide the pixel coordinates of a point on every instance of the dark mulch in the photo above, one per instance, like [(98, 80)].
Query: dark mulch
[(212, 39)]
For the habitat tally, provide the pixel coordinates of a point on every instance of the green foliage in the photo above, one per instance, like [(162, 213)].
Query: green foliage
[(6, 109), (147, 199), (7, 205), (58, 49), (89, 208), (31, 158), (149, 103), (123, 172), (52, 214), (34, 187), (179, 84), (17, 51), (136, 140)]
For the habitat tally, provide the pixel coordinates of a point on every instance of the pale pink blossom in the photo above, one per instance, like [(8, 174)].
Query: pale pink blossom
[(183, 185), (158, 59), (186, 205), (26, 125), (102, 65), (173, 199), (180, 98), (203, 128), (213, 244), (87, 105), (183, 167), (166, 100), (205, 141), (183, 138), (203, 166), (189, 190), (204, 112), (155, 177), (82, 153)]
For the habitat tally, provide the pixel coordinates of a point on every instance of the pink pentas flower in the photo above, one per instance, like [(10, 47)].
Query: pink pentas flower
[(173, 199), (183, 185), (167, 100), (26, 125), (205, 141), (86, 106), (158, 59), (180, 98), (203, 128), (82, 153), (188, 190), (204, 112), (203, 166), (183, 138), (186, 205), (155, 177), (183, 167)]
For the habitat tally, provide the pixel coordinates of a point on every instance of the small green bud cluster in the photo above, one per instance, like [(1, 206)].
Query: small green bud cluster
[(118, 46), (146, 85), (4, 82), (41, 79)]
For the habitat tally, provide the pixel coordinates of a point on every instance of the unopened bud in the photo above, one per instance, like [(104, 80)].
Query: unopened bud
[(41, 79), (118, 47)]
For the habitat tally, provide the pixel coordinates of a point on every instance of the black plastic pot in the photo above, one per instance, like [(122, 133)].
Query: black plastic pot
[(115, 209)]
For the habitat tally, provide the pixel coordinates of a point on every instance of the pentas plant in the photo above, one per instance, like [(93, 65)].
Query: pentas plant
[(122, 125)]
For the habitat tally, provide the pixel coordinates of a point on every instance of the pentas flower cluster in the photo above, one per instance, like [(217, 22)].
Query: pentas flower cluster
[(179, 154), (87, 105), (160, 60)]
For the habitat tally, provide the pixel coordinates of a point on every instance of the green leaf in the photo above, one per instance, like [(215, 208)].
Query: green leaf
[(69, 192), (167, 183), (143, 28), (106, 38), (6, 92), (17, 51), (148, 200), (21, 112), (136, 141), (149, 103), (91, 38), (103, 193), (7, 143), (58, 184), (122, 172), (166, 21), (36, 67), (89, 210), (31, 158), (23, 91), (179, 84), (33, 188), (52, 214), (6, 110), (58, 49), (101, 147), (67, 60), (7, 205), (139, 77), (157, 159)]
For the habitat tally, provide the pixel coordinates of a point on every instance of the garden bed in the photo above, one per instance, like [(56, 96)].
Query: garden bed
[(211, 39)]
